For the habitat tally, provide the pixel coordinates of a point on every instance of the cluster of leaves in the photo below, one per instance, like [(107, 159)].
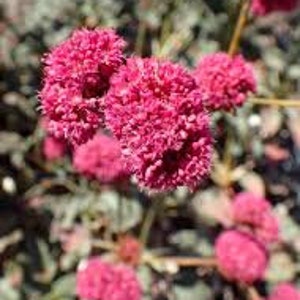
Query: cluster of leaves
[(51, 218)]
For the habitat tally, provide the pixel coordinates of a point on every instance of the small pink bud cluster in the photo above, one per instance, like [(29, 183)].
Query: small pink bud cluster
[(240, 256), (224, 81), (54, 148), (100, 280), (255, 214), (285, 291), (264, 7), (242, 252), (129, 250), (100, 158)]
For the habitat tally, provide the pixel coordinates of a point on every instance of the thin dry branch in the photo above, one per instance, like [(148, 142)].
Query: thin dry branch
[(276, 102)]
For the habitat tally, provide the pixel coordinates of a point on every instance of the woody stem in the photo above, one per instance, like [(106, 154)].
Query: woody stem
[(275, 102), (239, 27)]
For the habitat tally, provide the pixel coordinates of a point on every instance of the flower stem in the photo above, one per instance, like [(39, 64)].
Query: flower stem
[(144, 6), (149, 219), (190, 261), (208, 262), (239, 27), (10, 239), (120, 215), (253, 294), (275, 102), (46, 184), (228, 159), (140, 38), (103, 245)]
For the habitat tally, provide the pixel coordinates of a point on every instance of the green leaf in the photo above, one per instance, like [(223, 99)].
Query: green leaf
[(144, 274), (185, 239), (10, 141), (123, 213), (212, 206), (197, 291), (281, 268), (48, 262), (7, 292)]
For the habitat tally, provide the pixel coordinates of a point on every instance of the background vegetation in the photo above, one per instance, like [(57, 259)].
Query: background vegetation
[(51, 218)]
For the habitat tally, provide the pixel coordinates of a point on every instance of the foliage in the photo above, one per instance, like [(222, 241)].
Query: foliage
[(52, 218)]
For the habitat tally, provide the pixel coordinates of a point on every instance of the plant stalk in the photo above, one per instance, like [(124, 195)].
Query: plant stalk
[(149, 220), (253, 294), (275, 102), (239, 27), (190, 261), (140, 38)]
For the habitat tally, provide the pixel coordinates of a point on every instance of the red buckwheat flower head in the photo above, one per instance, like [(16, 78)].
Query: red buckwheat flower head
[(100, 280), (125, 285), (70, 116), (285, 291), (268, 231), (155, 111), (99, 158), (54, 148), (256, 212), (92, 278), (240, 256), (224, 81), (264, 7), (77, 74)]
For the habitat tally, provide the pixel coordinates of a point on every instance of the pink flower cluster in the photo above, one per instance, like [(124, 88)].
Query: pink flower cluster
[(256, 214), (99, 158), (54, 148), (263, 7), (242, 252), (285, 291), (100, 280), (77, 74), (240, 256), (224, 81), (154, 109)]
